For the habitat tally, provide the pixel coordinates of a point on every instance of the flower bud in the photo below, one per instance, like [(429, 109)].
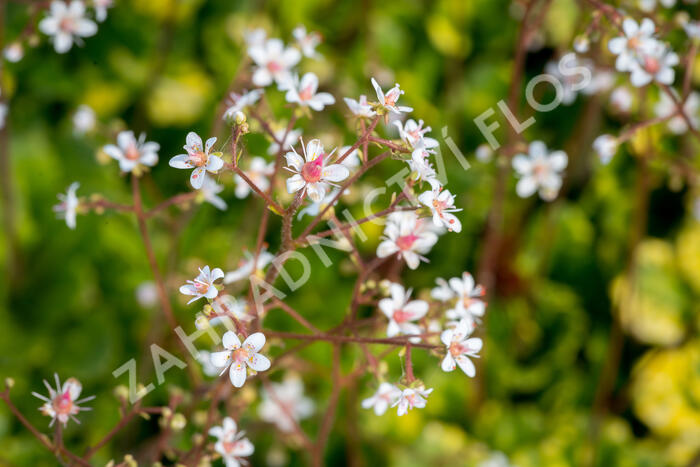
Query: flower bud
[(121, 392), (178, 422), (201, 322), (9, 382), (581, 44), (239, 117), (129, 461)]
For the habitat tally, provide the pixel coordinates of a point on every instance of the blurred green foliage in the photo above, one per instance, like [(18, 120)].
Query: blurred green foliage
[(162, 66)]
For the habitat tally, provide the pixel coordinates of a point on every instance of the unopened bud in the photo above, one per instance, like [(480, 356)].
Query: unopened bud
[(121, 392), (9, 382), (582, 44), (178, 422), (166, 412), (201, 322), (239, 117), (130, 461)]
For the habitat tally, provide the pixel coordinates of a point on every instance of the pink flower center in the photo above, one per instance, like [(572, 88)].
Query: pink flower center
[(201, 286), (229, 446), (456, 348), (651, 65), (401, 316), (67, 24), (311, 171), (633, 43), (240, 355), (405, 242), (274, 67), (63, 404), (306, 93), (132, 153), (439, 206), (391, 97), (199, 158)]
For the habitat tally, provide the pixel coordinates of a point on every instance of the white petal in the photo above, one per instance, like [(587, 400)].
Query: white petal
[(259, 362), (255, 341), (214, 164), (181, 161), (220, 359), (448, 363), (231, 340), (194, 141), (238, 374), (466, 365), (197, 178), (526, 187), (295, 183), (335, 173)]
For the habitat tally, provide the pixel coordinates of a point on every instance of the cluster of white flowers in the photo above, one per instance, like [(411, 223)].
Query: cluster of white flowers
[(459, 305), (642, 55), (66, 23)]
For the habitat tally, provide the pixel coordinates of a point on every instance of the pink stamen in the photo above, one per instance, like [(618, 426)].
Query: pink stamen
[(405, 242), (312, 171)]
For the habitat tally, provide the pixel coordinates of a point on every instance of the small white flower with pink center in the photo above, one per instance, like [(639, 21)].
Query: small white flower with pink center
[(384, 398), (442, 205), (199, 157), (274, 62), (238, 102), (539, 170), (628, 46), (68, 207), (655, 63), (63, 402), (402, 311), (304, 92), (133, 154), (460, 347), (307, 41), (389, 100), (411, 398), (203, 284), (237, 356), (312, 173), (258, 172), (231, 443), (67, 23), (413, 134), (469, 296), (406, 236), (360, 107), (284, 404)]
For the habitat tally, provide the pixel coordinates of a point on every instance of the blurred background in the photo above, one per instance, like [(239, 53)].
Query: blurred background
[(591, 352)]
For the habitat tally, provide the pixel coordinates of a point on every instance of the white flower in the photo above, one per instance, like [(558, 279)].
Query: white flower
[(237, 356), (655, 63), (291, 138), (304, 92), (274, 62), (442, 292), (132, 153), (442, 205), (413, 134), (249, 267), (621, 99), (406, 236), (312, 174), (199, 157), (68, 207), (692, 28), (63, 402), (210, 191), (258, 173), (238, 102), (606, 147), (411, 398), (67, 23), (284, 404), (204, 358), (84, 119), (627, 47), (401, 312), (388, 100), (101, 7), (459, 348), (360, 108), (352, 160), (255, 37), (231, 443), (469, 305), (203, 284), (539, 170), (422, 168), (307, 42), (147, 294), (14, 52), (484, 152), (582, 44), (385, 397), (677, 124)]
